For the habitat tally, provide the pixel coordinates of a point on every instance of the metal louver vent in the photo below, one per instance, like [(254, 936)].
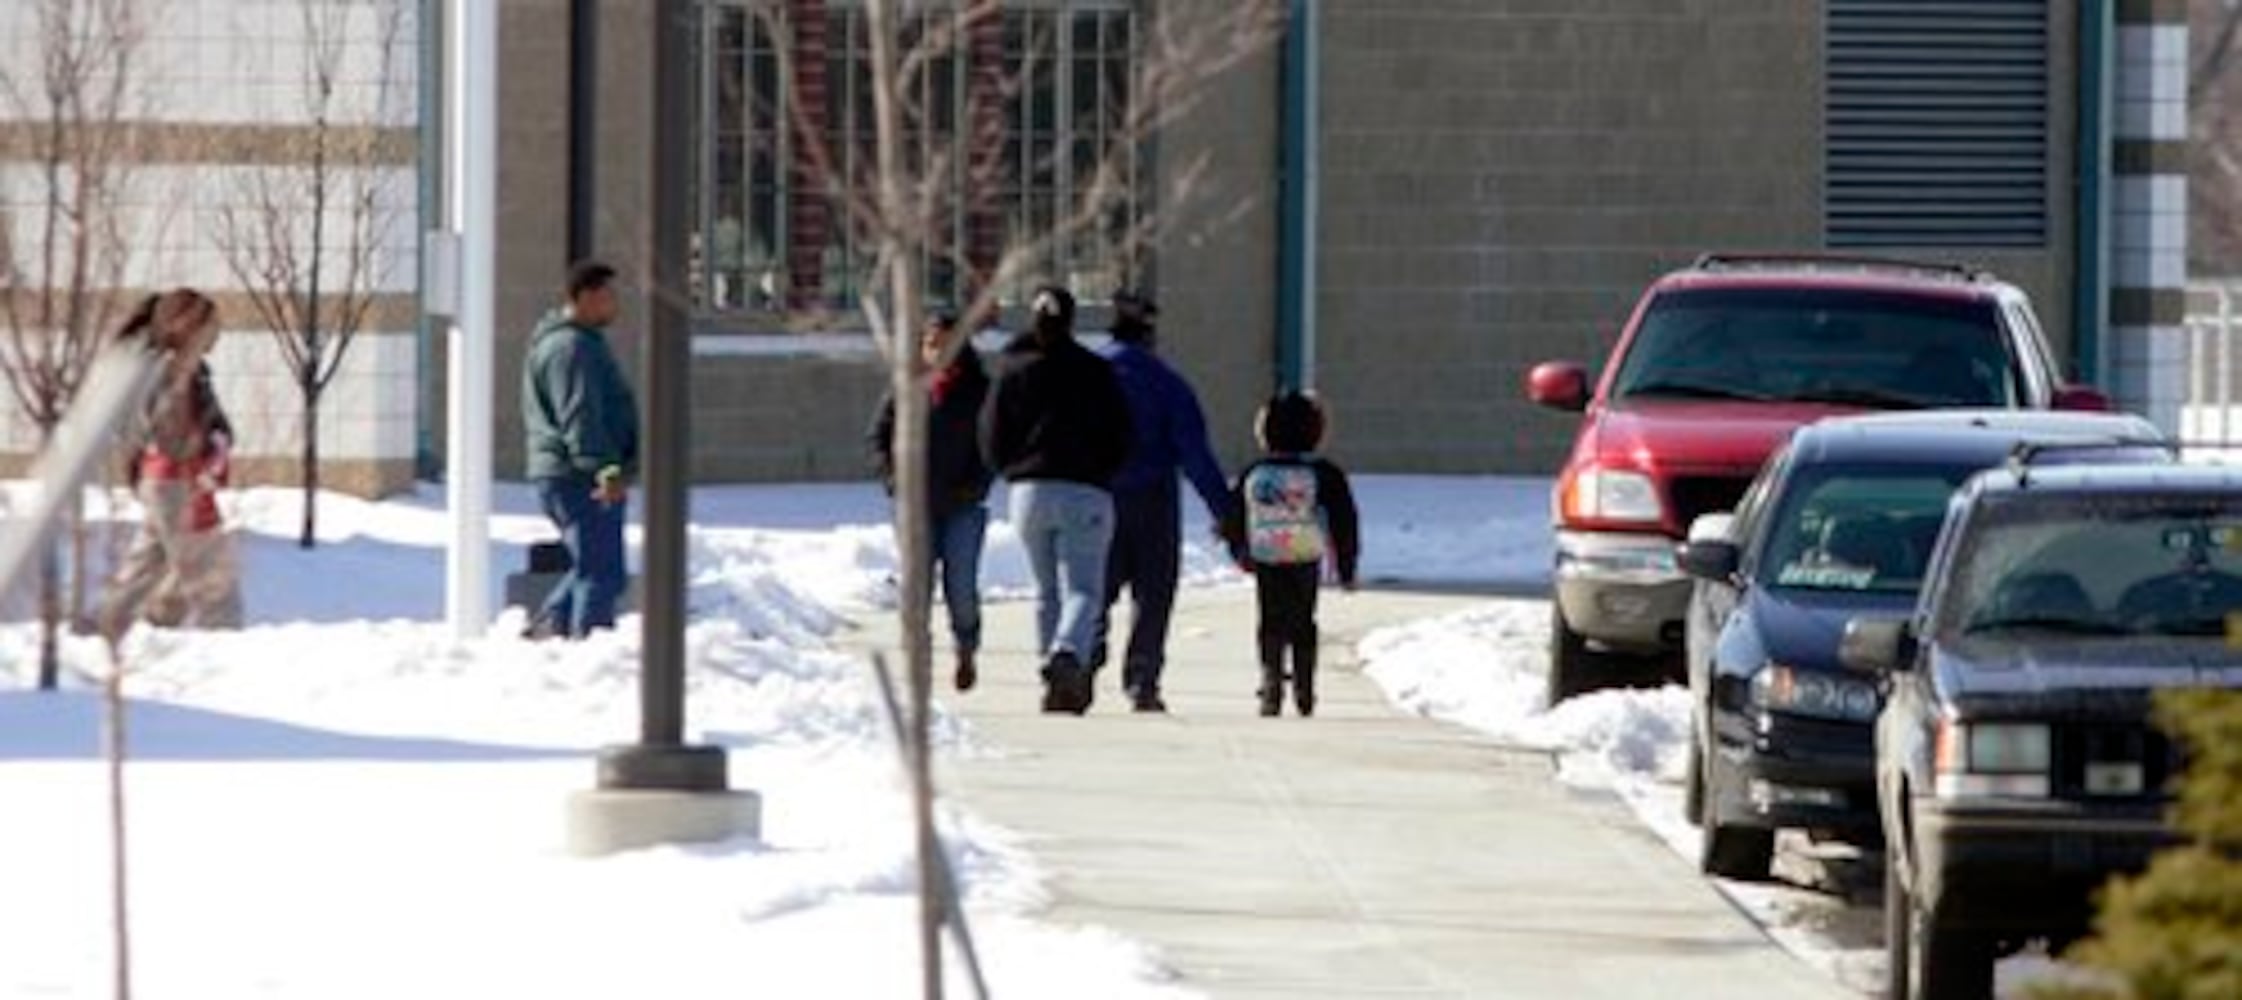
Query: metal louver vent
[(1937, 123)]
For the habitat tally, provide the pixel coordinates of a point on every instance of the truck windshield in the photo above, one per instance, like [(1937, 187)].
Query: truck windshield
[(1868, 349), (2169, 566)]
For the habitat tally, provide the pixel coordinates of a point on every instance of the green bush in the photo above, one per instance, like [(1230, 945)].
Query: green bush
[(2174, 932)]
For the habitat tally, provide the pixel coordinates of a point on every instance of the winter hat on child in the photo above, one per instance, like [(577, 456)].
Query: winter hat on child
[(1291, 423)]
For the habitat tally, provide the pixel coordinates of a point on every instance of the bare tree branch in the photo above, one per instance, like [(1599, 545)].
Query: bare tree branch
[(2213, 61), (303, 235)]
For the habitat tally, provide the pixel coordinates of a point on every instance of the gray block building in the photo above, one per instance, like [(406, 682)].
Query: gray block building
[(1402, 203)]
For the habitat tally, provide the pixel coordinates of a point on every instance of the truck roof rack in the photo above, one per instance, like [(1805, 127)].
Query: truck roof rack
[(1724, 261), (2026, 454)]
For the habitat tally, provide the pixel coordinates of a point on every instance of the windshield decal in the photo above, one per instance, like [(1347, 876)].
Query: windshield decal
[(1825, 576)]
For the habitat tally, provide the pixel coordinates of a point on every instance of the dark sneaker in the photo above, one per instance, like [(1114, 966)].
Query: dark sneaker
[(968, 674), (1066, 685), (1271, 691), (1147, 700), (1306, 703)]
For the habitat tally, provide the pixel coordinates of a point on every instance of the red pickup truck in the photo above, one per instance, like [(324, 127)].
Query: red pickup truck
[(1718, 363)]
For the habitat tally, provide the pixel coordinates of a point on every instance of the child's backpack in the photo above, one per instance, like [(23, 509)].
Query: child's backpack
[(1284, 526)]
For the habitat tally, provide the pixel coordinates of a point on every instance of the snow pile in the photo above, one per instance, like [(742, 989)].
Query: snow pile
[(1486, 668)]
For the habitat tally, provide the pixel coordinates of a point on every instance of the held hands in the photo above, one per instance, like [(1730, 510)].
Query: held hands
[(608, 488), (216, 465)]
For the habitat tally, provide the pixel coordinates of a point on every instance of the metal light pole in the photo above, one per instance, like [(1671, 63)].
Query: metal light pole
[(660, 790), (583, 124), (471, 153)]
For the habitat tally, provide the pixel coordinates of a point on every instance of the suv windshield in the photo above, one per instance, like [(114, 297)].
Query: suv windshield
[(1861, 530), (1874, 349), (2124, 566)]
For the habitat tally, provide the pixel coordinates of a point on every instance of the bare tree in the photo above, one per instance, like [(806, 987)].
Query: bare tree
[(70, 106), (304, 231), (901, 164), (2215, 134)]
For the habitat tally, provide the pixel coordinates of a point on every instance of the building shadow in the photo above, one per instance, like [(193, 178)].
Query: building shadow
[(67, 726)]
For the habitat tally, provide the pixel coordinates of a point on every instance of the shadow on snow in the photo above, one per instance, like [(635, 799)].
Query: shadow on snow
[(66, 726)]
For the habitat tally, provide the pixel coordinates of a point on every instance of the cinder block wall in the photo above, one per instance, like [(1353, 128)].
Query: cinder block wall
[(1502, 177)]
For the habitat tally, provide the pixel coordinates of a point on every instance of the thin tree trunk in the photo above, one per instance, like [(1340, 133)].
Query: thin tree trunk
[(50, 615), (113, 747), (313, 350), (78, 533), (310, 536), (911, 513), (50, 600)]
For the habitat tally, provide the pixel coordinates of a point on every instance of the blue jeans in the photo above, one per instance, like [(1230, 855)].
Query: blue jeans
[(957, 560), (1065, 528), (593, 533)]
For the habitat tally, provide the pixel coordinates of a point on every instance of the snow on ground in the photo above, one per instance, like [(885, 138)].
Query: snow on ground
[(343, 800)]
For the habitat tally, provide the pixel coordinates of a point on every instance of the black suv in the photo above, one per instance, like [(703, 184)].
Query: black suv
[(1840, 523), (2016, 763)]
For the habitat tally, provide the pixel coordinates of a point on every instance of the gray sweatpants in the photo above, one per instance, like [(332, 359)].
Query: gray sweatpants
[(174, 576)]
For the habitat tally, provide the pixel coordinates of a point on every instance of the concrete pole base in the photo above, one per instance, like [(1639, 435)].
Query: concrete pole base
[(609, 820)]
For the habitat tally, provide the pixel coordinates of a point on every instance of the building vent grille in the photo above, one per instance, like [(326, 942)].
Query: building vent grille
[(1937, 123)]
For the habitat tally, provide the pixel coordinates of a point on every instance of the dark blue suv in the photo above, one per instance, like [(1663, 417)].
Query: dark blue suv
[(1839, 523), (2016, 764)]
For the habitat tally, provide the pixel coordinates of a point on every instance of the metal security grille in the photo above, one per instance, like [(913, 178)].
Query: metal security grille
[(1937, 123)]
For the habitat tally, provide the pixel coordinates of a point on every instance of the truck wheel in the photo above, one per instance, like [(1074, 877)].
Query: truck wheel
[(1573, 667), (1899, 983), (1939, 963), (1738, 852)]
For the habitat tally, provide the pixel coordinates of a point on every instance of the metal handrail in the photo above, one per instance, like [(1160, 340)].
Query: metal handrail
[(2213, 341)]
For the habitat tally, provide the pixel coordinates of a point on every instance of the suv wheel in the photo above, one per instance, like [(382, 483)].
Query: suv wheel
[(1693, 786), (1898, 983), (1573, 667), (1738, 852), (1927, 961)]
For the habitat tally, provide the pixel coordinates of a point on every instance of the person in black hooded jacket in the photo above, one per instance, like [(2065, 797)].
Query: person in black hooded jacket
[(1057, 428), (957, 481)]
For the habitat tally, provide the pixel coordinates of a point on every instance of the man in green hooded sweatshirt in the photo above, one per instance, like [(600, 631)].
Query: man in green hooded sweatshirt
[(582, 426)]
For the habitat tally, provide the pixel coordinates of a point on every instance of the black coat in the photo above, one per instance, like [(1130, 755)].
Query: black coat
[(957, 477), (1055, 412)]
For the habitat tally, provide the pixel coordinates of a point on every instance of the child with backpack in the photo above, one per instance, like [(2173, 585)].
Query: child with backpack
[(1289, 511)]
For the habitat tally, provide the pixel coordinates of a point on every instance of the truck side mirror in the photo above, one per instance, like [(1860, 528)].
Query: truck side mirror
[(2082, 398), (1877, 646), (1708, 559), (1559, 385)]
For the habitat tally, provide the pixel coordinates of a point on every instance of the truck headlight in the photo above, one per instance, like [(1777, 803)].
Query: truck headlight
[(1599, 494), (2008, 748), (2004, 759), (1813, 692)]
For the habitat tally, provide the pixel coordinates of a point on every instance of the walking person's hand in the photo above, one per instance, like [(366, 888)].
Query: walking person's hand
[(608, 488)]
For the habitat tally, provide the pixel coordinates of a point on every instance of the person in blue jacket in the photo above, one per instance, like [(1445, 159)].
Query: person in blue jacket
[(581, 421), (1168, 435)]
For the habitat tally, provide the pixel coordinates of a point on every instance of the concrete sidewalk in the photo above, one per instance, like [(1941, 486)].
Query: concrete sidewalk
[(1359, 853)]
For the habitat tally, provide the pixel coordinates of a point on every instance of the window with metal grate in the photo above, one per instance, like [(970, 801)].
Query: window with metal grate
[(1937, 123)]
